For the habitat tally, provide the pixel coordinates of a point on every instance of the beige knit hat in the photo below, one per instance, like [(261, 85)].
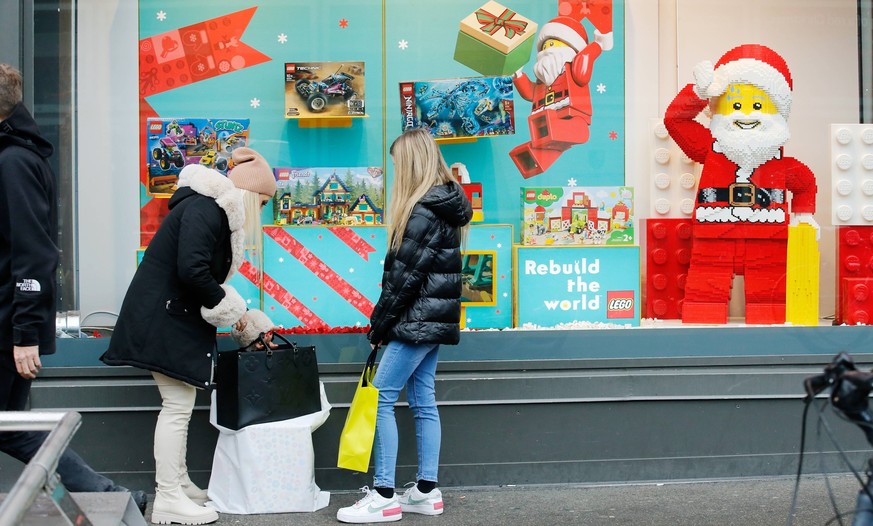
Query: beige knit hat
[(251, 172)]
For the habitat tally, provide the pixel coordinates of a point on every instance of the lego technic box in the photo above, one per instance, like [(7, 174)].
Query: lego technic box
[(455, 108), (324, 89), (351, 196), (173, 143), (596, 215)]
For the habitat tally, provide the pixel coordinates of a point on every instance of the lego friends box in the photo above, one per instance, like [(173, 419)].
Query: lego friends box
[(349, 196), (598, 215), (564, 285)]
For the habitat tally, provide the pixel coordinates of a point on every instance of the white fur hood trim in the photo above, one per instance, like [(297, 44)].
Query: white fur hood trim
[(208, 182)]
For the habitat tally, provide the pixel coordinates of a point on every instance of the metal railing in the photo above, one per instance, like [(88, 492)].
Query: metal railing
[(40, 471)]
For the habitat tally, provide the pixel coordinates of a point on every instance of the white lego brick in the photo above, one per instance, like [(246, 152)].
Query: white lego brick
[(852, 174), (673, 177)]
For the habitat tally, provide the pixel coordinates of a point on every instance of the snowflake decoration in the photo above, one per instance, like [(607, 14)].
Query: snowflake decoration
[(571, 182), (613, 135), (351, 270), (282, 38), (601, 88), (505, 294), (403, 44), (255, 102), (343, 23), (161, 16), (499, 245), (281, 260)]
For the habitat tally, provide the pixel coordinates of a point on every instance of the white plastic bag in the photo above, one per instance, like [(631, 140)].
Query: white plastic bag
[(267, 468)]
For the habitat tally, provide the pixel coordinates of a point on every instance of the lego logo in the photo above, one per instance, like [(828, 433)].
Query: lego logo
[(156, 127), (289, 68), (530, 195), (406, 89), (621, 304)]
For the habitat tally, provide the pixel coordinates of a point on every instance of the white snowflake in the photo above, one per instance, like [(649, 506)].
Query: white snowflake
[(255, 102), (351, 271), (161, 16), (571, 182), (499, 245), (403, 44), (281, 260), (601, 88), (505, 294), (283, 38), (469, 320)]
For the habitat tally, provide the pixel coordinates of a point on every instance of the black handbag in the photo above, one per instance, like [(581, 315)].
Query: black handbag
[(269, 385)]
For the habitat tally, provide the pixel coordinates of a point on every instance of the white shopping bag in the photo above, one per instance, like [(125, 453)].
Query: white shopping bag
[(267, 468)]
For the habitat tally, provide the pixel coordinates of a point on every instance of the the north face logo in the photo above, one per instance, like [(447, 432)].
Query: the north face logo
[(28, 285)]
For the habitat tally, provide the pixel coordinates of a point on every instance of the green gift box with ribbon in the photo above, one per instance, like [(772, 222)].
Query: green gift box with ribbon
[(495, 40)]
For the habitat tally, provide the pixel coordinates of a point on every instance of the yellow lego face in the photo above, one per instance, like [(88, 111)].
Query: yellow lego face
[(744, 98), (553, 42)]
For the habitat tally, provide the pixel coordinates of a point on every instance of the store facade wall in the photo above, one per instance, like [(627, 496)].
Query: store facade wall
[(630, 399)]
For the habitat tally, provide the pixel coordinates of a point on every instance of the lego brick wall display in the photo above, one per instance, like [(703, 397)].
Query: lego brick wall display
[(173, 143), (565, 285), (451, 108), (577, 215), (324, 89), (320, 278), (350, 196), (852, 174)]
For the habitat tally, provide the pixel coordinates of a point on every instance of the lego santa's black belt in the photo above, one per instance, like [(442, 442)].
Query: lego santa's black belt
[(742, 194), (550, 98)]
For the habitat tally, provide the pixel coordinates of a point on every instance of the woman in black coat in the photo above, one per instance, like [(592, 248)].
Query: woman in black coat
[(419, 309), (178, 298)]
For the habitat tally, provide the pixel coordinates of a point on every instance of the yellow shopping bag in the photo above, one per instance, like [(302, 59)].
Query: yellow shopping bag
[(356, 440)]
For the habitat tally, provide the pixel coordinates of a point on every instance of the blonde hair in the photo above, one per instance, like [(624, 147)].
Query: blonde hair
[(10, 89), (418, 167), (252, 224)]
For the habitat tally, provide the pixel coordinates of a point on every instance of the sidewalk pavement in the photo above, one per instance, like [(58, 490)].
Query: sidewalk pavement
[(746, 502)]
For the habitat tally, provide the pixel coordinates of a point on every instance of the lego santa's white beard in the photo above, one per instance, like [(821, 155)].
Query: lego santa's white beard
[(749, 140), (551, 62)]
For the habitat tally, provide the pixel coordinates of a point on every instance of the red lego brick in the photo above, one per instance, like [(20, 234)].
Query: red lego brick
[(667, 246), (856, 300), (854, 262)]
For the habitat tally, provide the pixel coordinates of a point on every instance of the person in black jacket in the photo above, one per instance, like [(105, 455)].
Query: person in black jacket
[(419, 309), (28, 262), (177, 299)]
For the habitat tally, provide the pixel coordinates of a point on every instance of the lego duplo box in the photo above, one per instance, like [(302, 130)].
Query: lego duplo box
[(574, 215), (568, 285), (495, 40)]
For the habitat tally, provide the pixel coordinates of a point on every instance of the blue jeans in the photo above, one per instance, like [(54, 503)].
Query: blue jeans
[(76, 475), (414, 366)]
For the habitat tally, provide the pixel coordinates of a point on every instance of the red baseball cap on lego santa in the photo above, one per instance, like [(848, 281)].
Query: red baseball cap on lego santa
[(757, 65)]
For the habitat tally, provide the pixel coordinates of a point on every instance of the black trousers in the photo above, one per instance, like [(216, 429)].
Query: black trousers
[(76, 475)]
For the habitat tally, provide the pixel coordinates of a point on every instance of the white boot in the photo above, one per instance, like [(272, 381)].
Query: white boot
[(174, 507), (193, 492)]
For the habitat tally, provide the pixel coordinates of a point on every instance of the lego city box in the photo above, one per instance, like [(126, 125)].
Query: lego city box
[(495, 40), (351, 196), (173, 143), (324, 90), (457, 108), (574, 215), (577, 285)]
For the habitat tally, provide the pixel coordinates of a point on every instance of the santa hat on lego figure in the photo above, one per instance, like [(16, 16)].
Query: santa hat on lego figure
[(572, 33), (757, 65)]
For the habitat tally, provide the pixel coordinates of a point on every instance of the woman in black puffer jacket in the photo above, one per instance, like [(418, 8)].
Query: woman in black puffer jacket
[(419, 309)]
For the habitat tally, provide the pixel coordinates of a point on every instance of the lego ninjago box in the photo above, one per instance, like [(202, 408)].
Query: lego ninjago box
[(464, 107), (173, 143), (324, 89)]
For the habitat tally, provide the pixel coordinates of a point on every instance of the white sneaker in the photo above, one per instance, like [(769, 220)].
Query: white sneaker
[(414, 501), (372, 508)]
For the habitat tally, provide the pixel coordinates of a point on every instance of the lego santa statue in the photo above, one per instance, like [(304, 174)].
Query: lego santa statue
[(748, 192), (560, 98)]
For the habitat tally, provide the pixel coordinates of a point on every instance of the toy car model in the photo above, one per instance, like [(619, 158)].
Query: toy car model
[(233, 142), (168, 154), (211, 159), (317, 93)]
